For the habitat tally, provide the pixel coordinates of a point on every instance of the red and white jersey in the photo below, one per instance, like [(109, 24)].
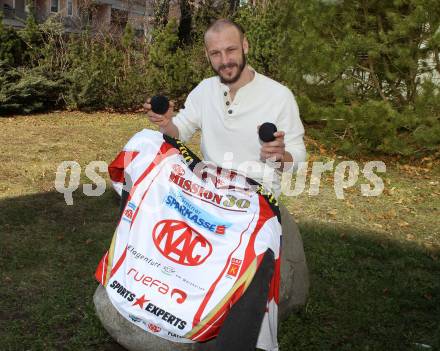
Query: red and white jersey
[(188, 243)]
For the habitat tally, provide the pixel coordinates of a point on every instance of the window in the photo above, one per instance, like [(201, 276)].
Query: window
[(118, 18), (53, 5), (69, 7)]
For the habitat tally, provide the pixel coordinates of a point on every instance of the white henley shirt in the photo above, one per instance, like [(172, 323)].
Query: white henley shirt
[(229, 135)]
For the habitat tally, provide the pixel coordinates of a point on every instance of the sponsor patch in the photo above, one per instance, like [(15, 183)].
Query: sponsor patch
[(175, 335), (168, 270), (154, 328), (195, 215), (148, 281), (139, 256), (178, 169), (129, 212), (180, 243), (227, 202), (234, 267), (121, 290), (135, 319), (168, 317)]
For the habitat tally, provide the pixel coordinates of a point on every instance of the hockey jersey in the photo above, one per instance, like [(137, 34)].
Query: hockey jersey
[(188, 243)]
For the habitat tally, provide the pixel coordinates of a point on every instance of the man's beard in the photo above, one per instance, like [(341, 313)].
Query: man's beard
[(235, 78)]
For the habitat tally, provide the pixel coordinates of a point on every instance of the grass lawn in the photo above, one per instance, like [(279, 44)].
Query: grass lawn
[(374, 261)]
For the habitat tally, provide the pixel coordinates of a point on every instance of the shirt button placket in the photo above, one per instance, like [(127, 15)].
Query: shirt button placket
[(227, 103)]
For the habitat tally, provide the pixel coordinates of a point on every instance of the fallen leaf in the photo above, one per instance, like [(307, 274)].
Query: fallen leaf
[(389, 214), (434, 257), (383, 246), (403, 224), (410, 237), (332, 213), (389, 192), (428, 296)]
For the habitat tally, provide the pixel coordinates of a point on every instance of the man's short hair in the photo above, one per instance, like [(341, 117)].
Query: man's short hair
[(219, 24)]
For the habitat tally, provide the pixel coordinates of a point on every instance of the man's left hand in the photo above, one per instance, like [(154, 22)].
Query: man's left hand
[(274, 150)]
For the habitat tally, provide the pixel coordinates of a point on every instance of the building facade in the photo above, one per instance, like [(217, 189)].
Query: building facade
[(77, 14)]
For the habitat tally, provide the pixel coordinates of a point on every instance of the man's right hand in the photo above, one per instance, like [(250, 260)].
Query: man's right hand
[(160, 120)]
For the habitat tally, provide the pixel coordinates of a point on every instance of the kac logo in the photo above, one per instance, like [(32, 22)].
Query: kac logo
[(180, 243)]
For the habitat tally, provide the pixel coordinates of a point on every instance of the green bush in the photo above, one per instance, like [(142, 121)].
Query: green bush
[(106, 73), (357, 68), (12, 46), (422, 119), (266, 37), (26, 84), (93, 73), (27, 90), (174, 70)]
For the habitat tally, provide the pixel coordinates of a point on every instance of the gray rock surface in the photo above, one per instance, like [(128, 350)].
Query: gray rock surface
[(293, 294), (294, 287)]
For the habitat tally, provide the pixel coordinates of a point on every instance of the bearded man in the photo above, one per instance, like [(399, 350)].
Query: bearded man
[(228, 110)]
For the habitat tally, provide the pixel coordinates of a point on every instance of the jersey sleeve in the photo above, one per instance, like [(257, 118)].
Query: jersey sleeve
[(290, 122), (189, 118), (142, 141)]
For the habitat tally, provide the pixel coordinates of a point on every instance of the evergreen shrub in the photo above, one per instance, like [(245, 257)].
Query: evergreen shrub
[(365, 74)]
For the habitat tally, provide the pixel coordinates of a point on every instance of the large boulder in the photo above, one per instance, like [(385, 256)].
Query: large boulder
[(293, 295), (294, 287)]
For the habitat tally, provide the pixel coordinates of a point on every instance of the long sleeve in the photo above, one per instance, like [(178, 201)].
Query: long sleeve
[(189, 118), (290, 122)]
